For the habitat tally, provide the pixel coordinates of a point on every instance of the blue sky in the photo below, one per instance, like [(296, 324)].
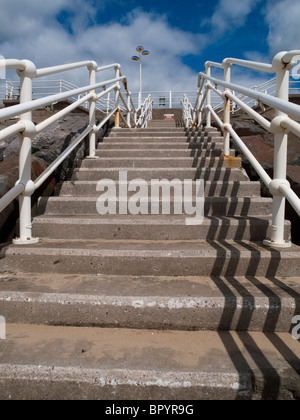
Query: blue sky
[(181, 35)]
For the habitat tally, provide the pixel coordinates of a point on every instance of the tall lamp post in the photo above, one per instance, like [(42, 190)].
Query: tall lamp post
[(142, 52)]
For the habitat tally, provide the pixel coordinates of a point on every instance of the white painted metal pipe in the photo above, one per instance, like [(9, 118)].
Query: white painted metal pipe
[(11, 196), (227, 79), (92, 111), (12, 130), (267, 68), (51, 168), (110, 66), (250, 111), (289, 108), (216, 117), (12, 64), (291, 196), (59, 115), (291, 56), (280, 161), (208, 100), (291, 126), (252, 159), (49, 100), (25, 235), (61, 69)]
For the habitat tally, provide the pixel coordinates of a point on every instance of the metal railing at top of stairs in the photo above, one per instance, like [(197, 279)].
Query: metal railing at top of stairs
[(10, 91), (286, 119), (26, 129), (269, 86)]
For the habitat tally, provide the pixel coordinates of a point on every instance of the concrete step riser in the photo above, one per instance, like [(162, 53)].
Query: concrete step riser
[(220, 262), (158, 153), (117, 230), (162, 139), (161, 146), (213, 206), (209, 174), (155, 303), (162, 129), (24, 383), (212, 189), (147, 312), (150, 162), (190, 134)]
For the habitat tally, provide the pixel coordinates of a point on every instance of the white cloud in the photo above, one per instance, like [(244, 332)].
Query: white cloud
[(30, 29), (230, 15), (167, 46), (46, 42), (22, 18), (283, 17)]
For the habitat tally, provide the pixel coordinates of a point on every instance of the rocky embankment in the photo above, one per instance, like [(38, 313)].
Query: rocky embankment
[(46, 147)]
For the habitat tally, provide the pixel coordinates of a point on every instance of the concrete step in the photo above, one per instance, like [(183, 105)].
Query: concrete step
[(162, 124), (152, 258), (159, 153), (148, 174), (156, 303), (212, 189), (153, 228), (160, 139), (153, 130), (162, 162), (66, 363), (214, 206), (149, 133), (161, 146)]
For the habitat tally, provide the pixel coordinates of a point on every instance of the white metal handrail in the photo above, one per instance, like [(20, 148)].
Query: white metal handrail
[(286, 119), (26, 129)]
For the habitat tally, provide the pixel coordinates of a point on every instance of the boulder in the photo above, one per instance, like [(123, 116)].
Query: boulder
[(246, 128)]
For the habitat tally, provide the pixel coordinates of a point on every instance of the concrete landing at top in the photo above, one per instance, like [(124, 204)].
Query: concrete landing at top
[(161, 124)]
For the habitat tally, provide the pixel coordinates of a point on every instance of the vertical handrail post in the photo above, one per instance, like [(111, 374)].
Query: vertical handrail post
[(199, 111), (208, 100), (129, 109), (25, 223), (117, 97), (227, 117), (92, 112), (277, 239)]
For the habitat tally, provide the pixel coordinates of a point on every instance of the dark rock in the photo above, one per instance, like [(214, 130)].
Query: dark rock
[(247, 128), (49, 144), (296, 161)]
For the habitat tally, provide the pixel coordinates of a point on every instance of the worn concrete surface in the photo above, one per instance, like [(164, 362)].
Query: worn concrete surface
[(182, 303), (176, 258), (73, 363)]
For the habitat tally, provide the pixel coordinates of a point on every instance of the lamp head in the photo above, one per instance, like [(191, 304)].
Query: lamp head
[(140, 49), (135, 58), (145, 52)]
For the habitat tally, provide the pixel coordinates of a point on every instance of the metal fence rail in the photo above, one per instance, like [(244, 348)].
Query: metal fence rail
[(26, 129), (10, 90), (287, 118)]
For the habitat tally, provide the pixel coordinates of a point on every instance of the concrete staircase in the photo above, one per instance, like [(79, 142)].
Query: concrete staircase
[(144, 306)]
